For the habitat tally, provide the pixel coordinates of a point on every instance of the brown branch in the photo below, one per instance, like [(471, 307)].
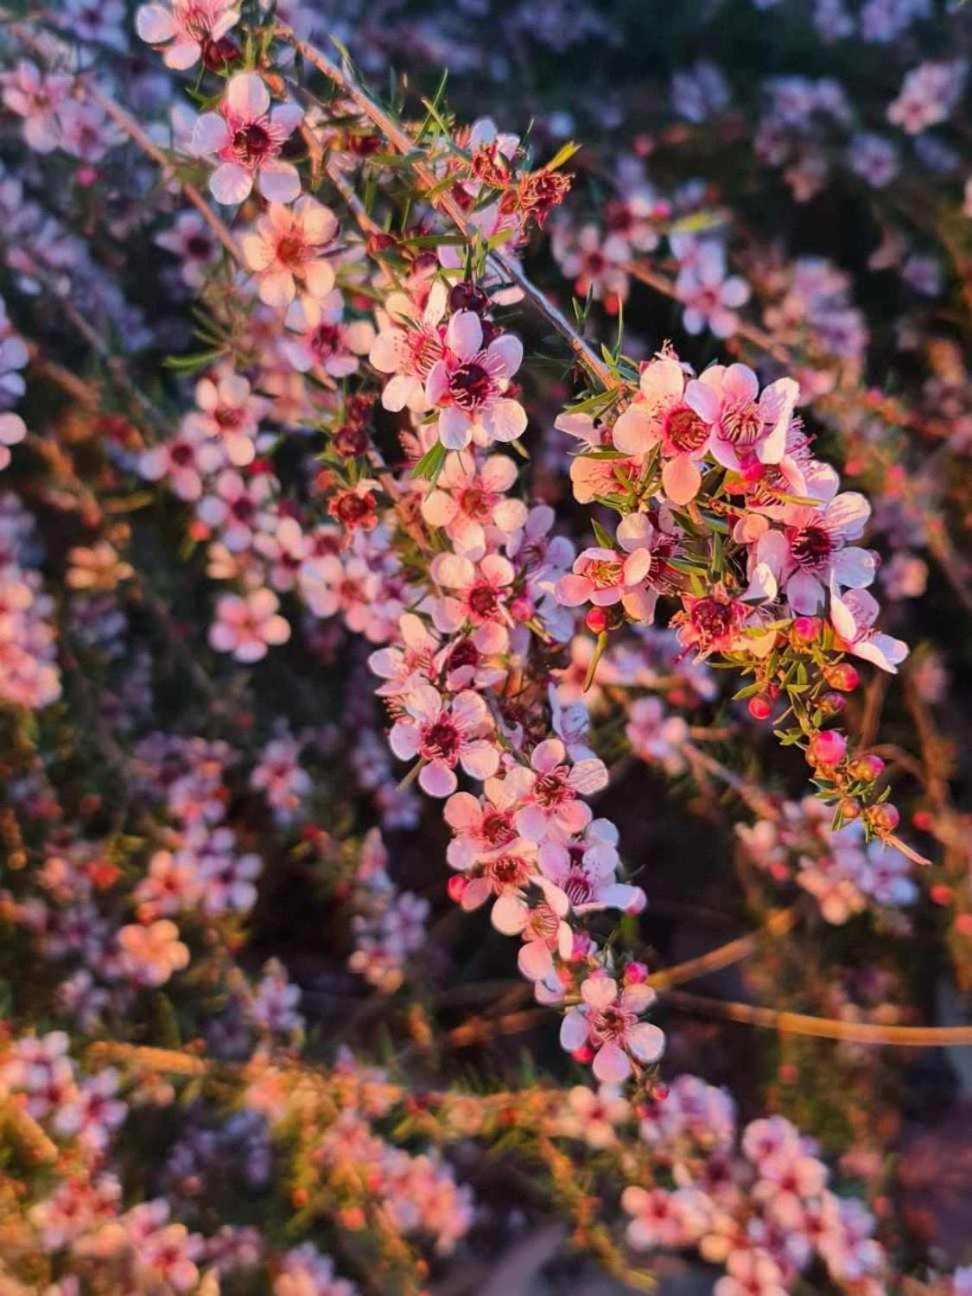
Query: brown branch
[(662, 284), (148, 146), (790, 1023), (779, 922), (444, 203)]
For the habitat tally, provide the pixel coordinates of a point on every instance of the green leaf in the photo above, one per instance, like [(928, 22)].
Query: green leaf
[(562, 155), (430, 465), (601, 536), (191, 362)]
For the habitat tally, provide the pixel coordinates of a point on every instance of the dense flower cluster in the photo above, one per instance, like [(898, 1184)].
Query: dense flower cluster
[(425, 564)]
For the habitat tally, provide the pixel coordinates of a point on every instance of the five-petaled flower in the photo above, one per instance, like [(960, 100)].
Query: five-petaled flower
[(606, 1020), (247, 136)]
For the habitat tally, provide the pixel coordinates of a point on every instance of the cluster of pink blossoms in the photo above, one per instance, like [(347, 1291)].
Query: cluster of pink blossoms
[(798, 556), (761, 1208), (389, 925), (844, 874), (29, 676)]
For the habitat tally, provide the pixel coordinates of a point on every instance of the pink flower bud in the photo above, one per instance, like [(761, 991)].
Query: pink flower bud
[(635, 974), (522, 609), (843, 677), (805, 629), (456, 886), (884, 818), (827, 748), (866, 768)]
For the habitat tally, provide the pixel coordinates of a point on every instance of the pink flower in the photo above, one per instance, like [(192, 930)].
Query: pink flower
[(229, 413), (95, 1112), (482, 593), (482, 825), (710, 297), (470, 501), (751, 1273), (247, 137), (150, 954), (36, 97), (606, 577), (235, 507), (507, 874), (184, 460), (585, 870), (445, 733), (290, 244), (607, 1021), (593, 261), (186, 28), (665, 1219), (655, 736), (660, 415), (246, 625), (928, 95), (328, 342), (812, 554), (13, 429), (543, 932), (191, 239), (468, 383), (853, 615), (552, 807), (745, 430), (408, 344)]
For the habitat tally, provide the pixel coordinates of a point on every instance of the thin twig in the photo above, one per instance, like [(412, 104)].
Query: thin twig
[(403, 143), (779, 922), (789, 1023)]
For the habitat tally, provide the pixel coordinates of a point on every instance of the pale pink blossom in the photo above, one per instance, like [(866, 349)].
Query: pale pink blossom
[(228, 412), (853, 615), (445, 733), (184, 29), (238, 507), (408, 344), (659, 415), (607, 1021), (468, 383), (593, 1115), (184, 461), (13, 429), (322, 337), (711, 297), (36, 97), (811, 553), (480, 598), (748, 427), (470, 501), (193, 242), (247, 625), (551, 795), (247, 136), (289, 246), (151, 953)]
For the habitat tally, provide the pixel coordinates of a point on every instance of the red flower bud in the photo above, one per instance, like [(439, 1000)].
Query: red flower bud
[(760, 707), (596, 620), (456, 886)]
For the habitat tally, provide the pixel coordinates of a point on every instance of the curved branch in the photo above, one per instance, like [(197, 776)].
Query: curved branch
[(444, 203), (790, 1023)]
